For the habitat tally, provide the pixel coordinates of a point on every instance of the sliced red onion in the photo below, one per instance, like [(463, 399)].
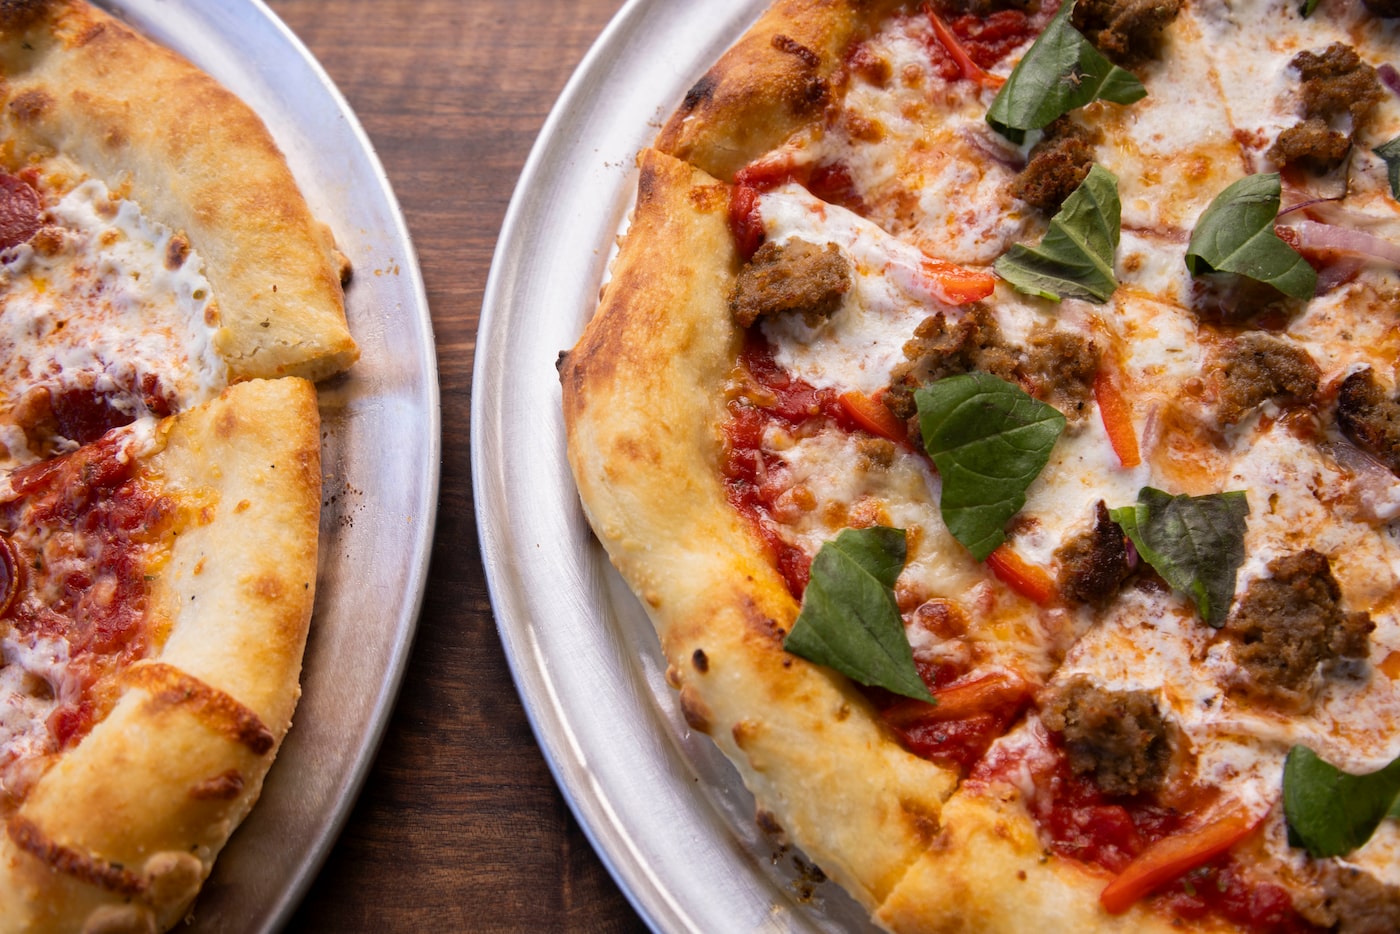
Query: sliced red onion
[(1315, 236), (1390, 77)]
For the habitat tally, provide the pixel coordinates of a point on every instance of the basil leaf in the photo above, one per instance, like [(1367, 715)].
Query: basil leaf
[(1394, 812), (1309, 6), (989, 440), (1060, 72), (1195, 542), (1331, 812), (1390, 152), (1076, 256), (849, 619), (1236, 234)]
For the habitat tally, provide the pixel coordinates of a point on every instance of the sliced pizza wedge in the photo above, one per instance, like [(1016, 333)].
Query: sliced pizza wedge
[(645, 441), (161, 584), (83, 88)]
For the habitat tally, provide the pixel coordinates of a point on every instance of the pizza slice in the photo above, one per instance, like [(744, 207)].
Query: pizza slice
[(155, 246), (159, 588)]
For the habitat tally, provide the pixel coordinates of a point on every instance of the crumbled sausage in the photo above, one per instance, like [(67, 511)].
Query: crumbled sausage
[(1370, 418), (1350, 900), (941, 348), (1255, 367), (1057, 165), (1127, 31), (1094, 564), (1060, 367), (1333, 83), (1117, 736), (1289, 623), (791, 276), (1055, 366)]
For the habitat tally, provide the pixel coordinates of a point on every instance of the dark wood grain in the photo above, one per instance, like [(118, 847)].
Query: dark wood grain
[(460, 826)]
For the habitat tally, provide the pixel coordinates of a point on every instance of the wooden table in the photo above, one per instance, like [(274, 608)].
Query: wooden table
[(460, 826)]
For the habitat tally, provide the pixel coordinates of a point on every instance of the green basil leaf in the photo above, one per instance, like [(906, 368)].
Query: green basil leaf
[(849, 619), (1075, 258), (1309, 6), (1060, 72), (1394, 812), (1331, 812), (1236, 234), (1390, 152), (1195, 542), (989, 440)]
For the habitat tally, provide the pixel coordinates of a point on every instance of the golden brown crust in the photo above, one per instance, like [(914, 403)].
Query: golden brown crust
[(77, 83), (642, 415), (989, 872), (123, 828), (774, 80)]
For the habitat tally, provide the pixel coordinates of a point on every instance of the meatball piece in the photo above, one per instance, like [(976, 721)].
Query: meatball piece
[(1370, 418), (1333, 83), (942, 348), (1256, 367), (1060, 367), (1094, 565), (1348, 899), (1117, 736), (1289, 623), (1127, 31), (792, 276), (1057, 166)]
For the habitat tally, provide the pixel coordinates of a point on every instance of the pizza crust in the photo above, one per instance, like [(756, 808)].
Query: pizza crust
[(79, 84), (642, 421), (776, 79), (122, 830)]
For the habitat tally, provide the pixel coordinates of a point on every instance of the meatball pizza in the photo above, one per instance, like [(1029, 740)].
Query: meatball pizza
[(166, 299), (994, 406)]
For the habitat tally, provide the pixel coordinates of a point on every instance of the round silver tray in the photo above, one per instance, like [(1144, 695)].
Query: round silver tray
[(664, 809), (380, 459)]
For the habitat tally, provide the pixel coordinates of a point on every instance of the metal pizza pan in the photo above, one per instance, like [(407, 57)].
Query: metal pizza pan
[(380, 457), (663, 807)]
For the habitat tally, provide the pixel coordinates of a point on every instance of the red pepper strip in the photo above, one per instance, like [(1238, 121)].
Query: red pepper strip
[(1029, 580), (970, 69), (871, 414), (1117, 418), (958, 284), (1171, 857), (961, 700), (745, 221)]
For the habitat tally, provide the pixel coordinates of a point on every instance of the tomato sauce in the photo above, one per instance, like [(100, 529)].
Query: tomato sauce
[(81, 530), (1078, 821)]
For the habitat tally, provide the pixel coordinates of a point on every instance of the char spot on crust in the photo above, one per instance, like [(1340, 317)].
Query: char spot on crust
[(700, 92), (694, 710), (700, 660), (170, 687), (744, 733), (17, 14), (226, 424), (71, 862), (91, 34), (29, 106), (768, 823), (269, 587), (225, 786), (792, 47)]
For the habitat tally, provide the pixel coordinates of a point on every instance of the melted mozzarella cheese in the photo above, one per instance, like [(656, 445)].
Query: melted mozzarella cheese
[(100, 302), (32, 683)]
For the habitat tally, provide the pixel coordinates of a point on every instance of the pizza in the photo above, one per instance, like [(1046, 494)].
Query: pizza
[(994, 407), (167, 301)]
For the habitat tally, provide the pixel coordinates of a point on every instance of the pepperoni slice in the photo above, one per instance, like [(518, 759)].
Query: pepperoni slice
[(9, 575), (19, 212)]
